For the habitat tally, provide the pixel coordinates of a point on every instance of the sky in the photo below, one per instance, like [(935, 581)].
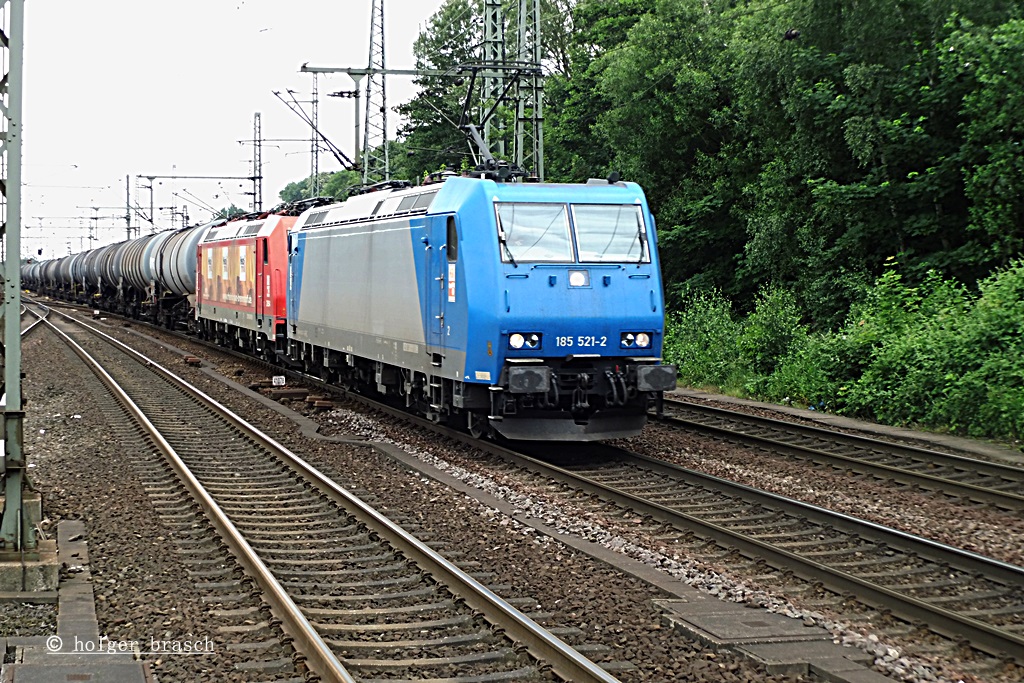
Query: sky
[(115, 89)]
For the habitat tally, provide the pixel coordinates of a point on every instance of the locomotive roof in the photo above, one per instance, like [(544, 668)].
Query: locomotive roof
[(449, 195), (235, 229), (381, 204)]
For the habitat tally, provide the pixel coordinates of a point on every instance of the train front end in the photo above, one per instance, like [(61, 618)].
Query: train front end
[(567, 308)]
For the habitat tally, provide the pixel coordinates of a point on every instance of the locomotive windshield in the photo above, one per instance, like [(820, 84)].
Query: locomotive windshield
[(599, 233), (534, 232), (607, 232)]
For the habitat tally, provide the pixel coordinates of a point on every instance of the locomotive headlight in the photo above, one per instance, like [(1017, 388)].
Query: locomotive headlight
[(520, 340), (635, 340), (579, 278)]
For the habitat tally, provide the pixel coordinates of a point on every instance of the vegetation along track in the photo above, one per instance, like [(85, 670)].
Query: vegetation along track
[(977, 480), (362, 598), (957, 594)]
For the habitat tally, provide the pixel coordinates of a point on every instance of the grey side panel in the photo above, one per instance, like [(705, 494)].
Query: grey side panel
[(360, 292)]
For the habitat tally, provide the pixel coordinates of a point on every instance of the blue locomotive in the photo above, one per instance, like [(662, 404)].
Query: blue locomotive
[(533, 310)]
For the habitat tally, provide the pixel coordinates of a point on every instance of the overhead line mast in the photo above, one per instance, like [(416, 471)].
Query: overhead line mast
[(530, 92), (152, 177), (257, 163), (314, 141), (494, 83), (376, 159), (17, 526), (525, 71)]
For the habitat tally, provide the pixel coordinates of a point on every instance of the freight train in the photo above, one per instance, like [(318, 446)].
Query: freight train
[(530, 310)]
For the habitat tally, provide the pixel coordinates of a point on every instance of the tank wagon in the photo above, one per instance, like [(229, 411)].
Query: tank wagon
[(150, 277), (533, 310)]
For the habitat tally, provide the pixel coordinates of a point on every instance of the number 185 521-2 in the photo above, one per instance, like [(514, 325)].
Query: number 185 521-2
[(582, 341)]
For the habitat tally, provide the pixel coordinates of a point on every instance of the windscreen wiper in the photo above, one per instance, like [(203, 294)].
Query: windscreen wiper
[(508, 252), (642, 234)]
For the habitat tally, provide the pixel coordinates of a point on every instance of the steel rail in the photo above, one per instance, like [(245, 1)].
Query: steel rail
[(860, 440), (35, 323), (983, 636), (1010, 501), (319, 657), (564, 660)]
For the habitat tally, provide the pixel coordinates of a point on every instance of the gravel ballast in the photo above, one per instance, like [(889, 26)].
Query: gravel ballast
[(610, 608)]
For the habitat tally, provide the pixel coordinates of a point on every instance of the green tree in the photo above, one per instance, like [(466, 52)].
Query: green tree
[(338, 184), (331, 185), (991, 60), (431, 132), (797, 144), (667, 119), (857, 128), (574, 147), (230, 212)]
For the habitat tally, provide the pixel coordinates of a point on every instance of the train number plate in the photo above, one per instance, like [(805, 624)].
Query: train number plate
[(581, 342)]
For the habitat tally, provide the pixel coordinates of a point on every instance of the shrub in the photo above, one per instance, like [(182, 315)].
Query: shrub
[(771, 332), (700, 339), (935, 355), (807, 375), (941, 357)]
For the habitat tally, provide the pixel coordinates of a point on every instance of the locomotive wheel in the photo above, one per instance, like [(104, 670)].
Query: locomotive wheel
[(476, 423)]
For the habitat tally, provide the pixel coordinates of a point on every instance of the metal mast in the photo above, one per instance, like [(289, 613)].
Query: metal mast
[(494, 80), (530, 93), (17, 529), (314, 141), (376, 162), (127, 208), (257, 163)]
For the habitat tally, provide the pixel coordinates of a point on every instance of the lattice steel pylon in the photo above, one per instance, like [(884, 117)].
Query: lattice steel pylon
[(376, 161), (494, 80), (257, 163), (314, 141), (529, 92), (17, 532)]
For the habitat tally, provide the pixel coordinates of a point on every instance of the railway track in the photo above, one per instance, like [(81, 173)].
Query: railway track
[(966, 598), (359, 597), (957, 476), (958, 594), (963, 596)]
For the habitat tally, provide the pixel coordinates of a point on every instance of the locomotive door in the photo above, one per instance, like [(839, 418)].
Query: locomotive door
[(436, 285), (262, 279)]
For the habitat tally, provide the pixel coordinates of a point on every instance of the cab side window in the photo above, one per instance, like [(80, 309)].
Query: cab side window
[(453, 241)]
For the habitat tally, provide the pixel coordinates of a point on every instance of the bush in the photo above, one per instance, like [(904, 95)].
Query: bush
[(983, 392), (941, 357), (700, 339), (807, 375), (769, 334), (934, 355)]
